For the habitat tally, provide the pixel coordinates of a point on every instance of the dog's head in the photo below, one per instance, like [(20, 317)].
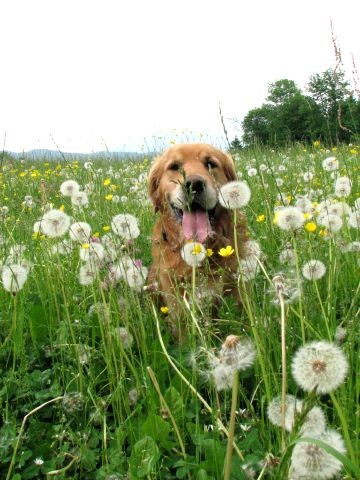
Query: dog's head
[(186, 179)]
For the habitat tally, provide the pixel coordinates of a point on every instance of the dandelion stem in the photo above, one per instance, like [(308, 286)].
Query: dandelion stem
[(344, 426), (229, 448), (283, 368)]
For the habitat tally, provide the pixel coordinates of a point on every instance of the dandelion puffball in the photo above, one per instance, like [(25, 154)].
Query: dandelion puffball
[(313, 270), (126, 226), (54, 223), (234, 195), (69, 188), (193, 253), (289, 218), (319, 366), (13, 277)]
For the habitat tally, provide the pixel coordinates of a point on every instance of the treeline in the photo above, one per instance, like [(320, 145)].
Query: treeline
[(329, 112)]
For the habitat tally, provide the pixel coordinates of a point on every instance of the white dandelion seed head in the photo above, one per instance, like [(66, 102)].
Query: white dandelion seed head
[(118, 270), (248, 268), (237, 352), (352, 246), (343, 190), (124, 336), (234, 195), (88, 273), (125, 225), (222, 376), (69, 188), (288, 256), (354, 219), (340, 335), (80, 199), (65, 247), (95, 253), (290, 218), (309, 461), (13, 277), (303, 204), (80, 232), (193, 253), (330, 164), (308, 176), (319, 366), (314, 423), (332, 223), (136, 276), (55, 223), (313, 270), (338, 208), (88, 165), (89, 187), (293, 407), (252, 172), (252, 247), (38, 461), (37, 227)]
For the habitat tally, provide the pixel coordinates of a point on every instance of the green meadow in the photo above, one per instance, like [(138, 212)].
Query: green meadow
[(92, 384)]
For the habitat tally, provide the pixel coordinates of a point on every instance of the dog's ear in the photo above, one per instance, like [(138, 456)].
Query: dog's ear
[(229, 167), (154, 181)]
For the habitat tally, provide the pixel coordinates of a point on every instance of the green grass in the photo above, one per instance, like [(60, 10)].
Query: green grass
[(79, 402)]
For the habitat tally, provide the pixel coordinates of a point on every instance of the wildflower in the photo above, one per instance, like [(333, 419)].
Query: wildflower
[(93, 252), (340, 335), (319, 366), (339, 208), (234, 195), (55, 223), (354, 219), (343, 187), (290, 218), (69, 188), (308, 176), (80, 199), (106, 182), (73, 402), (193, 253), (293, 406), (226, 252), (313, 270), (330, 164), (38, 461), (288, 255), (13, 277), (164, 310), (236, 354), (109, 197), (126, 226), (310, 227), (124, 336), (248, 268), (314, 423), (209, 252), (311, 461), (252, 247), (260, 218), (135, 277), (80, 232), (87, 273), (62, 248), (252, 172), (331, 222)]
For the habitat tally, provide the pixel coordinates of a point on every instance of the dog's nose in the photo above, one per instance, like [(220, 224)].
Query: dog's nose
[(194, 184)]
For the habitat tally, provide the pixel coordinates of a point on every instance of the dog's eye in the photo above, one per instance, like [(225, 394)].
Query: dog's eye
[(210, 163), (174, 167)]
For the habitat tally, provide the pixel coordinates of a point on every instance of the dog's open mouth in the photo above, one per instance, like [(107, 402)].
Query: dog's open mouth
[(196, 222)]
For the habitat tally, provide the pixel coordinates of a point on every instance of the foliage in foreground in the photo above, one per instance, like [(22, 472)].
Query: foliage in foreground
[(92, 385)]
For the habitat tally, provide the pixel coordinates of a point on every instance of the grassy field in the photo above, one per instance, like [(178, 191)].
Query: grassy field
[(92, 386)]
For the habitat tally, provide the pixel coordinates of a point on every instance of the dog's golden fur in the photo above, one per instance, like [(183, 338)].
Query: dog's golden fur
[(204, 169)]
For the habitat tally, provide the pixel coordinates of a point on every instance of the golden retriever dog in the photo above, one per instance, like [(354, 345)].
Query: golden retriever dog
[(184, 186)]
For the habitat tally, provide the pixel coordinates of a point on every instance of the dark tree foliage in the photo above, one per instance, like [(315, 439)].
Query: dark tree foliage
[(329, 112)]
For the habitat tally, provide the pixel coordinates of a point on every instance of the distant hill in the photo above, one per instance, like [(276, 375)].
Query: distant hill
[(56, 155)]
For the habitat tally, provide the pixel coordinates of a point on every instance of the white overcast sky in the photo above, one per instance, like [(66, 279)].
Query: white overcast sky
[(85, 74)]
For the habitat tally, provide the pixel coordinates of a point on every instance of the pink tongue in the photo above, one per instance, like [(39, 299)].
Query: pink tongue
[(196, 226)]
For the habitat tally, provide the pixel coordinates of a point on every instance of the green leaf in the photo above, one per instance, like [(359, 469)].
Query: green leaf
[(156, 428), (144, 457)]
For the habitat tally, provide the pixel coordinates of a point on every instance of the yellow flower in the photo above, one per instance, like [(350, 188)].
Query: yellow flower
[(226, 252), (38, 235), (113, 187), (323, 232), (106, 228), (307, 216), (276, 216), (85, 246), (310, 227), (334, 149), (62, 208), (209, 252), (316, 143), (96, 234), (22, 174), (109, 197), (260, 218), (353, 151), (164, 310), (107, 182)]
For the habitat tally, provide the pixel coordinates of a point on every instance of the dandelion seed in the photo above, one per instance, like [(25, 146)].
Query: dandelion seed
[(80, 199), (308, 176), (340, 335), (288, 256), (69, 188), (354, 219), (319, 366), (332, 223), (252, 172), (135, 277), (80, 232), (64, 247), (54, 223), (314, 423), (343, 187), (126, 226), (13, 277), (73, 402), (290, 218), (88, 273), (249, 268), (193, 253), (94, 254), (234, 195), (124, 336), (309, 461), (133, 396), (313, 270), (293, 406), (330, 164)]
